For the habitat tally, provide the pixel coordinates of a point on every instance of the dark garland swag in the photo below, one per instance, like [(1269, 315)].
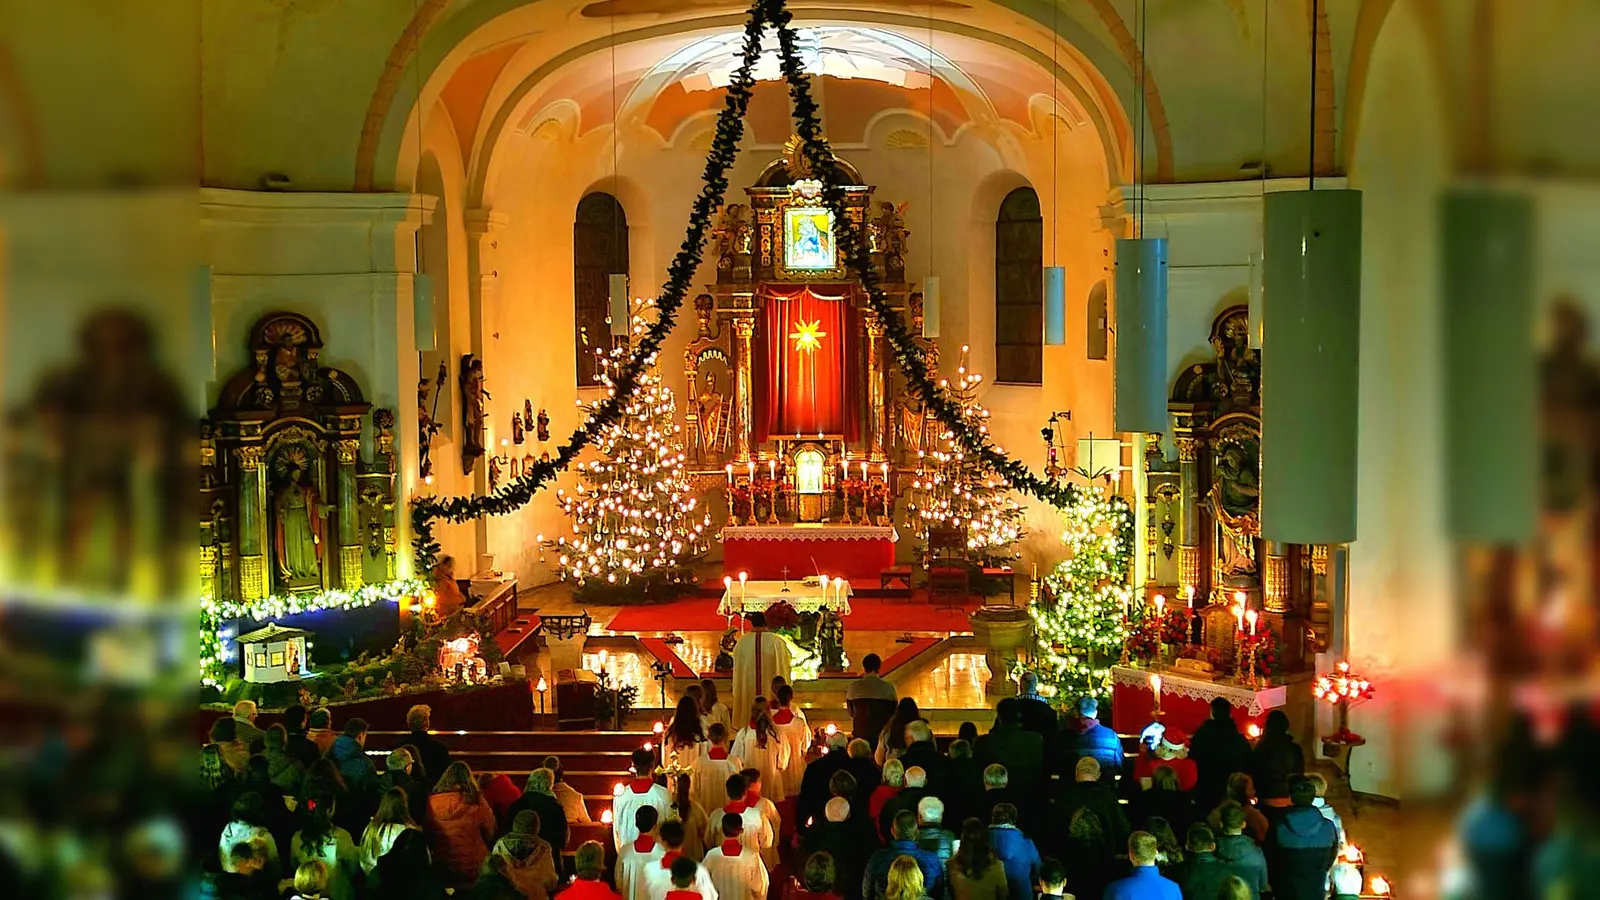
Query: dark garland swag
[(516, 493), (724, 149)]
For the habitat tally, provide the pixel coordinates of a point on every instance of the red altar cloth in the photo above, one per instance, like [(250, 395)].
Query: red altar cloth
[(1185, 700), (855, 552)]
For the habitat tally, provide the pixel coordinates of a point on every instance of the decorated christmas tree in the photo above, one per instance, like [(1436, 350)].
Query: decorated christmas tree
[(956, 490), (636, 523), (1081, 617)]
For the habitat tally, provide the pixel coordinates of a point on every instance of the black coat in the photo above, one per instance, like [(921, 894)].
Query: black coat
[(1099, 799), (302, 748), (435, 755), (850, 844), (416, 793), (1040, 718), (936, 764), (1275, 757), (552, 818), (1018, 749), (907, 799), (1174, 806), (965, 796), (814, 793), (868, 777), (1218, 751)]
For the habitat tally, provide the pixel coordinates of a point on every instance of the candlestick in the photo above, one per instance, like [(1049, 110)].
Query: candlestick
[(1155, 688)]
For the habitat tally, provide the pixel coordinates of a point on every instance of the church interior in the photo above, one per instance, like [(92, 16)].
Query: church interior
[(1156, 352)]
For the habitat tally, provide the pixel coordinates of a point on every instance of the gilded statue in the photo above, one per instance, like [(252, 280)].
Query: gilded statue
[(891, 233), (297, 528), (1236, 368), (1233, 501), (712, 408), (910, 425), (733, 232)]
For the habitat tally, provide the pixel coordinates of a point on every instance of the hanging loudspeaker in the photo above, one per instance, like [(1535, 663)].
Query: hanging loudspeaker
[(930, 306), (1141, 385), (1055, 306), (422, 312), (1487, 321), (1310, 381), (619, 306)]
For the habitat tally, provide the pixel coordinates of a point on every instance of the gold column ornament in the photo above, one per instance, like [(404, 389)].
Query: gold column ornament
[(877, 409), (350, 567), (1276, 599), (208, 570), (348, 452), (744, 327), (1189, 515), (253, 527)]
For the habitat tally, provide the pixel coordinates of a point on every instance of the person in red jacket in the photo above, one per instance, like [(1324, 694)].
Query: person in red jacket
[(590, 861), (1170, 748)]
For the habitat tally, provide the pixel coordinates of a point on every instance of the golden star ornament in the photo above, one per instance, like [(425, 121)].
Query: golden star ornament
[(807, 336)]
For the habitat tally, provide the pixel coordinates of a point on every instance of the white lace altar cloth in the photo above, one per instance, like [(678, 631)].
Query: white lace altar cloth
[(755, 596), (809, 532), (1254, 702)]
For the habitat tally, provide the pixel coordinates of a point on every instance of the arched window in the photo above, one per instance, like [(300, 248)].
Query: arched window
[(599, 250), (1019, 289)]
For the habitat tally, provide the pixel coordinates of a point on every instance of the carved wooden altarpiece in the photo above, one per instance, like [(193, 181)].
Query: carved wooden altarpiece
[(288, 502)]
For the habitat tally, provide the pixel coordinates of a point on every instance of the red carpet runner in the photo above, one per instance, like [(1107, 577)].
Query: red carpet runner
[(867, 614)]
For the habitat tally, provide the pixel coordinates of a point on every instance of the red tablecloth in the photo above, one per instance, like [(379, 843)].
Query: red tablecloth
[(1185, 702), (856, 553)]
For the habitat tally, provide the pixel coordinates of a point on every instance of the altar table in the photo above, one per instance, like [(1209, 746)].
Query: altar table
[(755, 596), (856, 552), (1185, 699)]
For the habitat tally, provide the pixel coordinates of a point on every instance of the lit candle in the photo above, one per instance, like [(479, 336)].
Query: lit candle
[(1190, 592), (772, 470), (863, 470), (729, 469), (1238, 614), (727, 586), (1161, 605), (885, 469), (1250, 616), (1238, 597), (824, 580), (1155, 688), (844, 469), (752, 471), (743, 577)]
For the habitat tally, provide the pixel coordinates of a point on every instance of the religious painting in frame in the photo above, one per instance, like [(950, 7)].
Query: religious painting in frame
[(808, 239)]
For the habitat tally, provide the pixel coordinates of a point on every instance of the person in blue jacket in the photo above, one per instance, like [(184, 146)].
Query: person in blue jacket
[(1016, 851), (1085, 736), (1146, 882)]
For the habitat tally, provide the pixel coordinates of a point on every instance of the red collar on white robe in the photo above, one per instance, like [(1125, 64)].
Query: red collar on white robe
[(644, 844), (783, 716), (641, 785), (676, 894), (670, 857), (751, 798), (732, 847), (719, 753), (737, 807)]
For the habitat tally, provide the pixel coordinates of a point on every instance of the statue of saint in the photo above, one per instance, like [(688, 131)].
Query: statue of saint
[(1233, 502), (297, 527), (473, 412), (711, 404)]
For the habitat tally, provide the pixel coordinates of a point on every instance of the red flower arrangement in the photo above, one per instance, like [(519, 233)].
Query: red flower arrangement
[(764, 489), (878, 496), (853, 488), (739, 497), (781, 615), (1144, 640), (1175, 627), (1268, 659)]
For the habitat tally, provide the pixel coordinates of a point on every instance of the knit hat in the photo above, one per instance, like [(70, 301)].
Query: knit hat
[(397, 760), (526, 822)]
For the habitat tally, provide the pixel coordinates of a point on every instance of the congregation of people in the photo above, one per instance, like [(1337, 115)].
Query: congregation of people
[(762, 807)]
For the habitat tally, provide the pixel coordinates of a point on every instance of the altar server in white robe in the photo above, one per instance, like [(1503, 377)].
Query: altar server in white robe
[(769, 815), (641, 791), (635, 858), (757, 657), (712, 709), (753, 828), (737, 871), (711, 770), (760, 747), (795, 732), (657, 879), (684, 735)]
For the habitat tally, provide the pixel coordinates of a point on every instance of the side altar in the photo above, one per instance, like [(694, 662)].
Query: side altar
[(792, 408)]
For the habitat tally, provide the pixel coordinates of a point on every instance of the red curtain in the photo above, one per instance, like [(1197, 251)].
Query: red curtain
[(807, 391)]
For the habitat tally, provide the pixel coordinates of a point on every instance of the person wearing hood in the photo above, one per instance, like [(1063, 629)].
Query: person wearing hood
[(1275, 759), (1301, 847), (1085, 736), (1016, 851), (1218, 751), (529, 860), (1238, 850), (349, 753), (462, 824), (388, 823)]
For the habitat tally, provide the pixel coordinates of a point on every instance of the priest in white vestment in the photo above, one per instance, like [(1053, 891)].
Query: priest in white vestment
[(757, 657)]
